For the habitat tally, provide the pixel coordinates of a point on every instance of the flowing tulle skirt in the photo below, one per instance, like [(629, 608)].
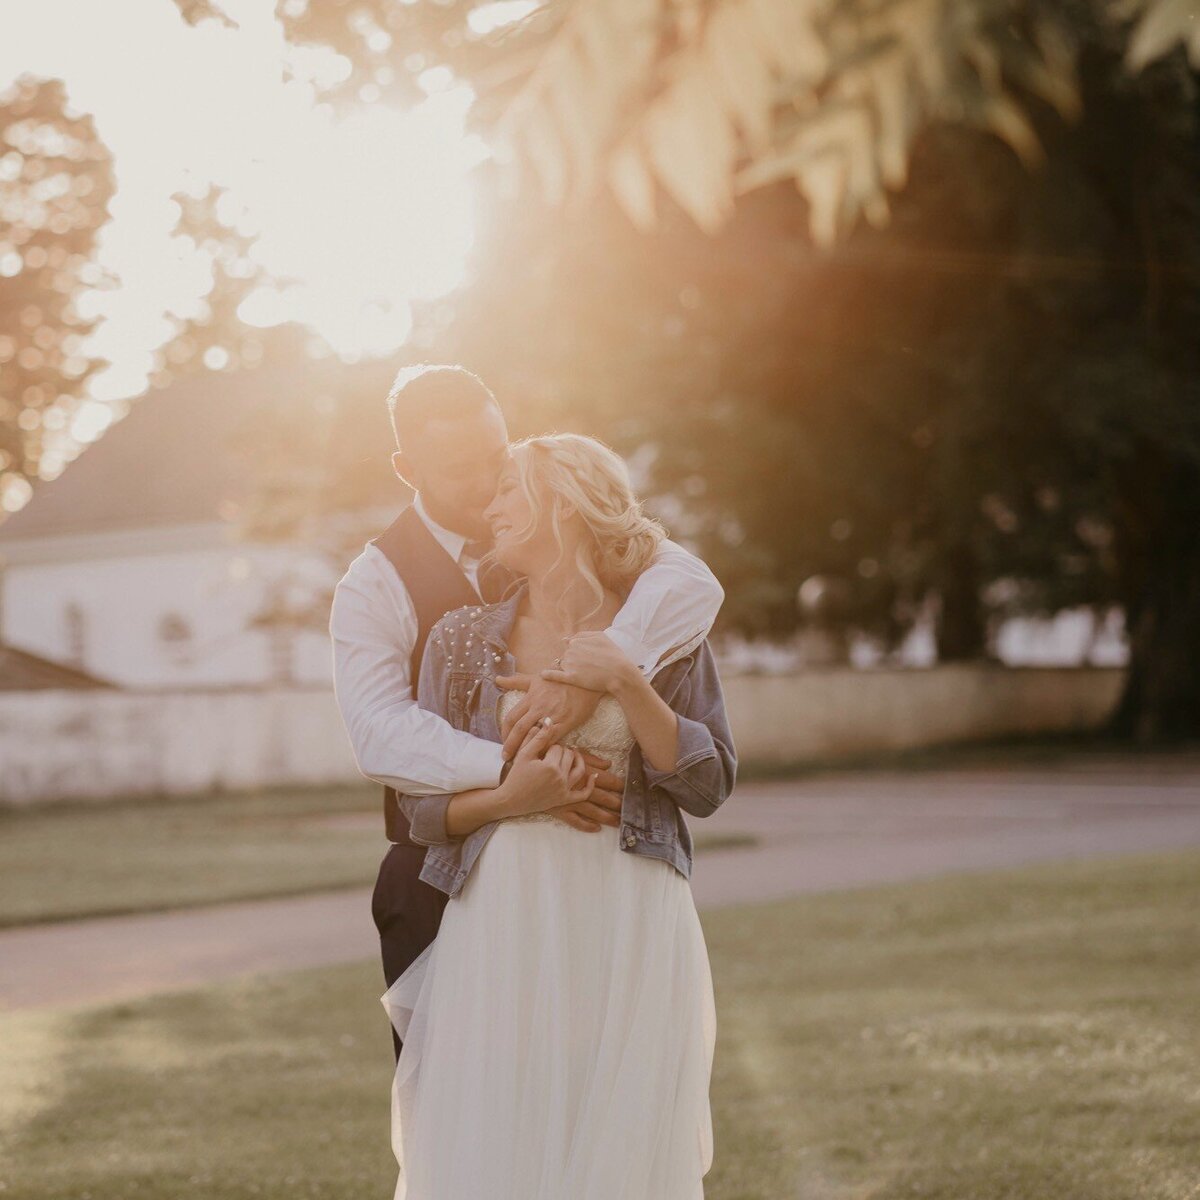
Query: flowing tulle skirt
[(558, 1034)]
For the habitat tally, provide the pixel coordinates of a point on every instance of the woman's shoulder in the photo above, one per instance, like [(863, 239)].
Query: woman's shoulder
[(457, 622), (464, 626)]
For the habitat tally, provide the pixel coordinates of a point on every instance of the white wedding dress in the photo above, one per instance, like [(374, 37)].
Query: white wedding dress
[(558, 1034)]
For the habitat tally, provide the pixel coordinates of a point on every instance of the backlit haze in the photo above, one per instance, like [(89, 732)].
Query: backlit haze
[(366, 212)]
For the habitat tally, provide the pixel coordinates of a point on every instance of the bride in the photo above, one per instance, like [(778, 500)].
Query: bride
[(558, 1034)]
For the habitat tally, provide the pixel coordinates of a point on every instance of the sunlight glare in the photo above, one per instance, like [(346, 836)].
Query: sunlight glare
[(91, 420), (360, 214), (365, 214)]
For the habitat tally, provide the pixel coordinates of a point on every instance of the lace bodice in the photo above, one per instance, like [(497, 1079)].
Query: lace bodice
[(605, 733)]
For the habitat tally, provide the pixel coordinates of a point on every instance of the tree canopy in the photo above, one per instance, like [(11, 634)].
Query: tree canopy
[(705, 100)]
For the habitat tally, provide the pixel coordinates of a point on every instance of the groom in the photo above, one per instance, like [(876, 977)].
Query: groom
[(451, 444)]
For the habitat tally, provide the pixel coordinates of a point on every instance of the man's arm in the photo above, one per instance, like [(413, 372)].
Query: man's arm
[(669, 611), (667, 614), (374, 629)]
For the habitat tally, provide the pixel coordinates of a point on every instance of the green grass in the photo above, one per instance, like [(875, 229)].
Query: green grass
[(1030, 1035), (75, 861), (81, 861)]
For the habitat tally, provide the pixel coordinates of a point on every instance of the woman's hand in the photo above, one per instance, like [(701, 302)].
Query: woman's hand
[(592, 660), (545, 776), (567, 707)]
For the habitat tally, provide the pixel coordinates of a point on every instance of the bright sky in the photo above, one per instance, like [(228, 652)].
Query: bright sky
[(366, 214)]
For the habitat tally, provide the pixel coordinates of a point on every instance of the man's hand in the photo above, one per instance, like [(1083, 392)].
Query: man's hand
[(603, 807), (566, 706), (592, 660)]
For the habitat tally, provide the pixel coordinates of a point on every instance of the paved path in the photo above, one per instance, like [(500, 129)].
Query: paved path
[(817, 834)]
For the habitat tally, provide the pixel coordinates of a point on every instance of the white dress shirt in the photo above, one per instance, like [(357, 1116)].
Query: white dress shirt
[(374, 629)]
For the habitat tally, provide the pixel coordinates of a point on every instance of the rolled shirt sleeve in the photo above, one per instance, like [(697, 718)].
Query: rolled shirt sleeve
[(669, 610), (705, 762), (427, 818)]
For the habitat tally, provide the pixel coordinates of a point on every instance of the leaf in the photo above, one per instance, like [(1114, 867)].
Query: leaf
[(843, 134), (1163, 26), (618, 43), (823, 184), (1058, 55), (1004, 117), (984, 55), (878, 211), (579, 122), (895, 109), (786, 37), (741, 72), (692, 145), (921, 26), (544, 150), (196, 12), (633, 185)]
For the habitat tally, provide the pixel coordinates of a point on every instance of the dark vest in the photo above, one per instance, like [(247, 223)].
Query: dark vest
[(436, 585)]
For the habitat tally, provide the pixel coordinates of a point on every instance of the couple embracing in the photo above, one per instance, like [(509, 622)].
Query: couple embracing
[(521, 660)]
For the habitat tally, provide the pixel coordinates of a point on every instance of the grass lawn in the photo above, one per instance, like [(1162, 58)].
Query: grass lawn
[(1029, 1035), (83, 861), (78, 861)]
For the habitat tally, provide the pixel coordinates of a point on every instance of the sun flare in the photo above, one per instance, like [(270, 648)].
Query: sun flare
[(363, 215), (356, 215)]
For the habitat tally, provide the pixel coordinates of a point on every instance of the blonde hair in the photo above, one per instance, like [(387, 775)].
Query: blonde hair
[(570, 470)]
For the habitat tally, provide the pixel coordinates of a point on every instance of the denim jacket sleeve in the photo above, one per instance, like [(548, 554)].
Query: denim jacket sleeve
[(427, 814), (706, 763)]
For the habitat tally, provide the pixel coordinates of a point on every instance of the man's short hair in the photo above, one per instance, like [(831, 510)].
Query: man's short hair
[(426, 391)]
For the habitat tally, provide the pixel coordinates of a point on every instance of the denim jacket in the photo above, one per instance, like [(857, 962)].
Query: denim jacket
[(465, 652)]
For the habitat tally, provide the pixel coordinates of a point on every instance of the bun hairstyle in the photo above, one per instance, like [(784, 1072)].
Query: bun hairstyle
[(565, 473)]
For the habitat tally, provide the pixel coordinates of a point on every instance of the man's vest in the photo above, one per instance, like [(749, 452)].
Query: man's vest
[(436, 585)]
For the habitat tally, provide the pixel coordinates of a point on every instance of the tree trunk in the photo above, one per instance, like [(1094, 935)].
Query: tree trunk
[(1161, 699), (961, 629)]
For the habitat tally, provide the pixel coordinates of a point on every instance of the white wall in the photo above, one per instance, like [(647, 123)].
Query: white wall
[(838, 713), (82, 745), (125, 584), (70, 744)]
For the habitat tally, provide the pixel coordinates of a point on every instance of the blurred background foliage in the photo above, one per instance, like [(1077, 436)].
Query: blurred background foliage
[(56, 181), (893, 306)]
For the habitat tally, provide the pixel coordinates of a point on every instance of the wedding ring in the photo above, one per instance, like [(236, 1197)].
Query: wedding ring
[(545, 722)]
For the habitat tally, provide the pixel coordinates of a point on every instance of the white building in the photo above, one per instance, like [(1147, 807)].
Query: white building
[(132, 565)]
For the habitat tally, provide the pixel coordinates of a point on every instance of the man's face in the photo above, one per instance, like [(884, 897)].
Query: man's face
[(454, 464)]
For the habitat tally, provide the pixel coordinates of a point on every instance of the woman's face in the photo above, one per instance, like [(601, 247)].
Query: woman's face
[(509, 515)]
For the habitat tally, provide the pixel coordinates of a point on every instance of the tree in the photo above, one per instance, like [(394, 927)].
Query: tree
[(1084, 272), (216, 338), (709, 99), (55, 185)]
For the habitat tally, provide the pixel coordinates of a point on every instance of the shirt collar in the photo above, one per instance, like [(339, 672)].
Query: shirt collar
[(450, 541)]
